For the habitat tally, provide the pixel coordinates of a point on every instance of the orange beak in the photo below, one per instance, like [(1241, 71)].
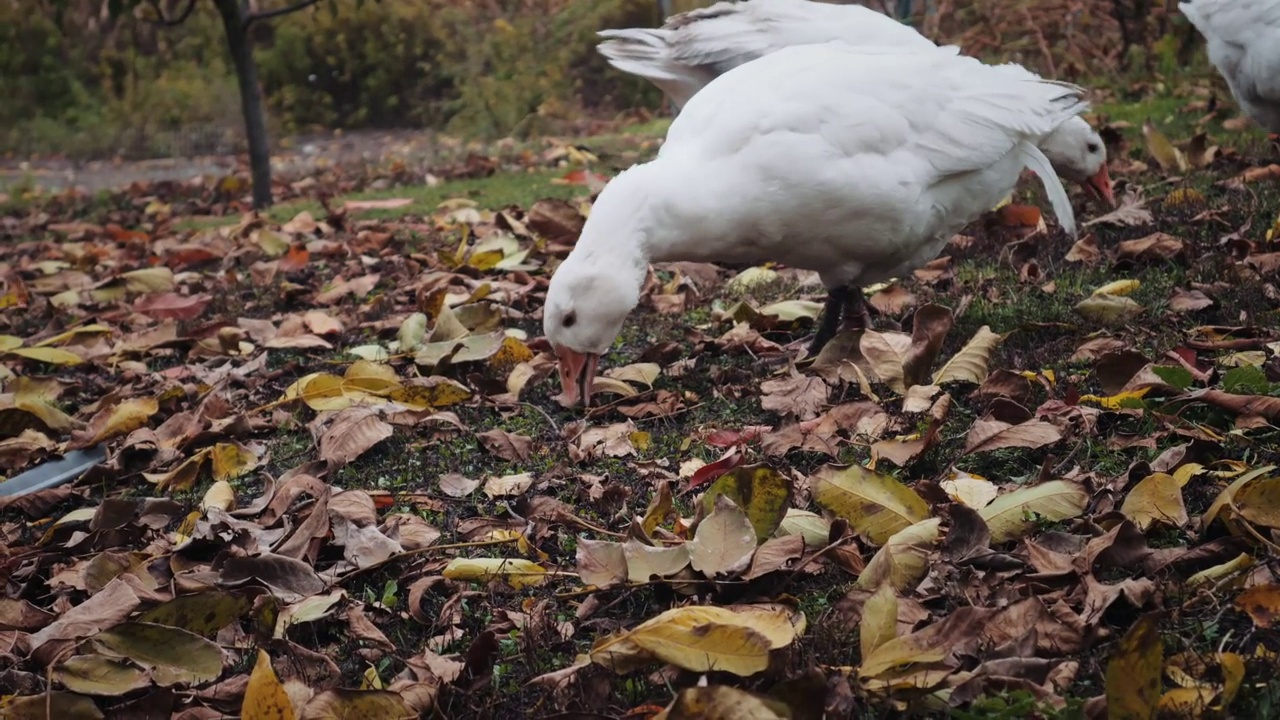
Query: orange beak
[(577, 375), (1099, 185)]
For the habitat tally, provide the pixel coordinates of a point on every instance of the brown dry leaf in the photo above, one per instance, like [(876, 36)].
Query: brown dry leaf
[(721, 702), (341, 703), (508, 446), (932, 323), (886, 353), (988, 434), (1262, 604), (724, 541), (1156, 246), (1184, 301), (602, 564), (352, 433), (801, 396), (1085, 250)]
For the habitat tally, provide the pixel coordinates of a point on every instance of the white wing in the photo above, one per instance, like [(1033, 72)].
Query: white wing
[(693, 48)]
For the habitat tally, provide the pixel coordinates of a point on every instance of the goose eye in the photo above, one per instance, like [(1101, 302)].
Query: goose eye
[(569, 320), (1091, 147)]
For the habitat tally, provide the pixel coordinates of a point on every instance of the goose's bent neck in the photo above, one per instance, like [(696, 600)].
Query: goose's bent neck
[(629, 225)]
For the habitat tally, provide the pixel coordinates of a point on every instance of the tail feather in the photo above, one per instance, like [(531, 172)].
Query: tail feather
[(645, 52)]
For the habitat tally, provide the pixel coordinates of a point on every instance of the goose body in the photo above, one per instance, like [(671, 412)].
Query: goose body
[(692, 49), (858, 163), (1243, 41)]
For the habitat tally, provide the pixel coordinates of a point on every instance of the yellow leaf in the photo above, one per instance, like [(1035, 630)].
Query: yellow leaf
[(182, 477), (1118, 287), (9, 342), (900, 651), (517, 572), (762, 492), (220, 495), (371, 378), (1007, 516), (1226, 497), (125, 418), (264, 697), (971, 490), (412, 332), (904, 559), (95, 329), (320, 391), (721, 702), (1227, 570), (53, 356), (1133, 673), (875, 504), (149, 280), (231, 460), (701, 638), (510, 353), (1108, 309), (879, 619), (1186, 702), (1117, 401), (1156, 498), (1259, 502), (1168, 157), (970, 364), (431, 392)]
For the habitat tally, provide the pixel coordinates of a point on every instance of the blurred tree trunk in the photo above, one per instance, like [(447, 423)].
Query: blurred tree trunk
[(235, 23)]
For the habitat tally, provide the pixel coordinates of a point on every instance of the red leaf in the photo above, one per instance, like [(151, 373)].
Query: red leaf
[(711, 471), (172, 306)]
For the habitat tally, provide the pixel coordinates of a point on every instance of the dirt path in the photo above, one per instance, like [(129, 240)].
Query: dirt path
[(292, 156)]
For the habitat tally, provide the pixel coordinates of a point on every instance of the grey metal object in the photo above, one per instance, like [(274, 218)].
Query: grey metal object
[(53, 473)]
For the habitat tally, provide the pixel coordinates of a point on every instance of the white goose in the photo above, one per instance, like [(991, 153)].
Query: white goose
[(1243, 38), (858, 163), (695, 47)]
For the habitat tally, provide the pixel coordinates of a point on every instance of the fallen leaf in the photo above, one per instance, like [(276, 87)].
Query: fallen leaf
[(875, 505), (1133, 672)]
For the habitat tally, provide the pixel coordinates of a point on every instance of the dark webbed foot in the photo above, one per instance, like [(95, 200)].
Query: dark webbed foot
[(857, 313)]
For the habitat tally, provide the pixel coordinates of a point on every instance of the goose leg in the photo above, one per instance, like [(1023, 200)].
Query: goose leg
[(837, 300), (857, 314)]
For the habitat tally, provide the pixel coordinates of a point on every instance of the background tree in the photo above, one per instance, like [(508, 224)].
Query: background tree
[(238, 17)]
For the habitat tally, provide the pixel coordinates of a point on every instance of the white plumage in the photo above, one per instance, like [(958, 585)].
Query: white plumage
[(693, 48), (1243, 39), (858, 163)]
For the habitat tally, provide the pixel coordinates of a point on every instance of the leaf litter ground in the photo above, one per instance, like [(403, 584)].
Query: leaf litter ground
[(338, 480)]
